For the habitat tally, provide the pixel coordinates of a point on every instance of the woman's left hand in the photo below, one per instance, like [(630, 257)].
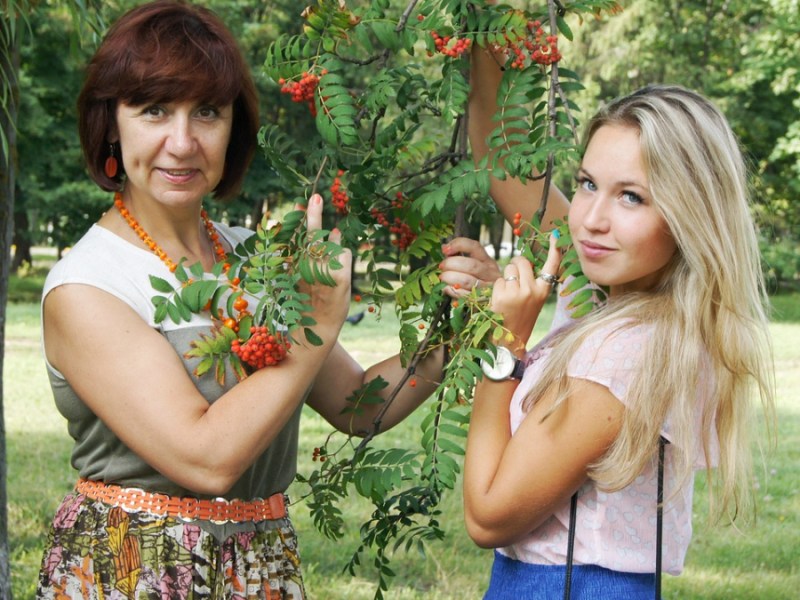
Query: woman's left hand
[(520, 293), (329, 303), (466, 266)]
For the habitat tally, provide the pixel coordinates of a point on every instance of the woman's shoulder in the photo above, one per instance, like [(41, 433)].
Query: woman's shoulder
[(611, 354), (103, 260), (87, 260), (621, 337)]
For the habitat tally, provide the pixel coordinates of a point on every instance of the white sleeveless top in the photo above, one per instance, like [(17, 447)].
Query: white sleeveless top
[(104, 260)]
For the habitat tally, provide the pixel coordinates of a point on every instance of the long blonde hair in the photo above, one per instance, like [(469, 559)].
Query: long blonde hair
[(708, 312)]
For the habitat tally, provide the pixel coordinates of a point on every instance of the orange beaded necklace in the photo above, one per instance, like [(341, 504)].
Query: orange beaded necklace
[(219, 251)]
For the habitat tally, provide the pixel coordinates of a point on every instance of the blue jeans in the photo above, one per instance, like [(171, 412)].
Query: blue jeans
[(515, 580)]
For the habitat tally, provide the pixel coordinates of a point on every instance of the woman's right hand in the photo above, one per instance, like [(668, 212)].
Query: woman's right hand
[(520, 293), (330, 303)]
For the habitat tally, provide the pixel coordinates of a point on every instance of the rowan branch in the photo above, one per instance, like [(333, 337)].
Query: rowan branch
[(418, 355), (551, 112)]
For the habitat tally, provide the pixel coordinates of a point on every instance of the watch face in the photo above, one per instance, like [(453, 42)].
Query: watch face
[(503, 365)]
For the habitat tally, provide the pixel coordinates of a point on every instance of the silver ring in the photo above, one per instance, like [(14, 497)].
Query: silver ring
[(511, 278), (547, 277)]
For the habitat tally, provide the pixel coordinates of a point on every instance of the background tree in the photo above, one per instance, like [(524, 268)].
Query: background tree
[(13, 25), (53, 194), (9, 67)]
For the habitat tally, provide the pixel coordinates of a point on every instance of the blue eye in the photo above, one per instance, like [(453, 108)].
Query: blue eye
[(585, 183), (632, 198)]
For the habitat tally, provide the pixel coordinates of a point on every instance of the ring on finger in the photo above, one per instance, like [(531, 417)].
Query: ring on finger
[(511, 278), (316, 250), (548, 278)]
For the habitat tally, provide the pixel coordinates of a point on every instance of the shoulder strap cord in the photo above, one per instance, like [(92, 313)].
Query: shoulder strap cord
[(573, 511), (662, 442)]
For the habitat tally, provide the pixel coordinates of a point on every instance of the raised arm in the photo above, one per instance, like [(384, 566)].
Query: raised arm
[(511, 195)]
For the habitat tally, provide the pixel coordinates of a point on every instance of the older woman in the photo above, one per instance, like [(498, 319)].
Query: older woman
[(181, 489)]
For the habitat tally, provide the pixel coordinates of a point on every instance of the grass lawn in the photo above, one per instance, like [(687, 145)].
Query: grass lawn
[(755, 562)]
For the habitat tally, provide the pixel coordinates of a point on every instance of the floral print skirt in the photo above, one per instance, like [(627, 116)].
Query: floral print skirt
[(101, 552)]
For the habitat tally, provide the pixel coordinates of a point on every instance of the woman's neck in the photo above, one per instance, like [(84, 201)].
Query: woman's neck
[(178, 231)]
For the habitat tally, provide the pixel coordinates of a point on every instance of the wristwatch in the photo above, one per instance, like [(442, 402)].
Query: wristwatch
[(506, 366)]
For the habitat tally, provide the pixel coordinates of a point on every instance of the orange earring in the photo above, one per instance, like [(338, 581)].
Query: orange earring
[(111, 165)]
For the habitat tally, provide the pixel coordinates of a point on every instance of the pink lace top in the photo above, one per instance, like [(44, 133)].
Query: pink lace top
[(614, 530)]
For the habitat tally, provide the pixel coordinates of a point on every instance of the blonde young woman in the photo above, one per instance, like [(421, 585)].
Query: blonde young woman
[(660, 217)]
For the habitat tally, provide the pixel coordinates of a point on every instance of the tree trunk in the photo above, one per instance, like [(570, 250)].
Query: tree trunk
[(9, 69), (21, 240)]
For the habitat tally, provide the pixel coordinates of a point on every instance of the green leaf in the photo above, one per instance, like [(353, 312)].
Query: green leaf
[(173, 312), (203, 366), (197, 270), (582, 310), (386, 34), (161, 285), (450, 446), (581, 297), (180, 272), (161, 312), (481, 332), (564, 28), (574, 285), (183, 309), (312, 337)]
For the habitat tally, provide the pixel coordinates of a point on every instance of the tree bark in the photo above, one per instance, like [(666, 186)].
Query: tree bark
[(9, 70), (21, 240)]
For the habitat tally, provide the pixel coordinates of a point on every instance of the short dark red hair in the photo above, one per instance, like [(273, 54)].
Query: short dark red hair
[(167, 51)]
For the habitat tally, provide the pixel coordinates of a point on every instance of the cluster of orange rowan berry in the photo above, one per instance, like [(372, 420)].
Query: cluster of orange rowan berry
[(319, 454), (339, 197), (239, 305), (403, 235), (541, 49), (399, 200), (517, 231), (302, 90), (454, 50), (263, 349)]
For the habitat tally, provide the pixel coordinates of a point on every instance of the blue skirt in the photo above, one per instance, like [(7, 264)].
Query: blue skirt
[(515, 580)]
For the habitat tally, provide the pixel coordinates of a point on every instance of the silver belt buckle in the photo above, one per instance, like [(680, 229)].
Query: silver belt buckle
[(224, 502)]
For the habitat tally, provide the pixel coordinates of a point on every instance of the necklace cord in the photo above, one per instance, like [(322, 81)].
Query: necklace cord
[(213, 234)]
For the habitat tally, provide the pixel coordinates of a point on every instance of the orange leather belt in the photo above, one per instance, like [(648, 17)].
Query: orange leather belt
[(218, 510)]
